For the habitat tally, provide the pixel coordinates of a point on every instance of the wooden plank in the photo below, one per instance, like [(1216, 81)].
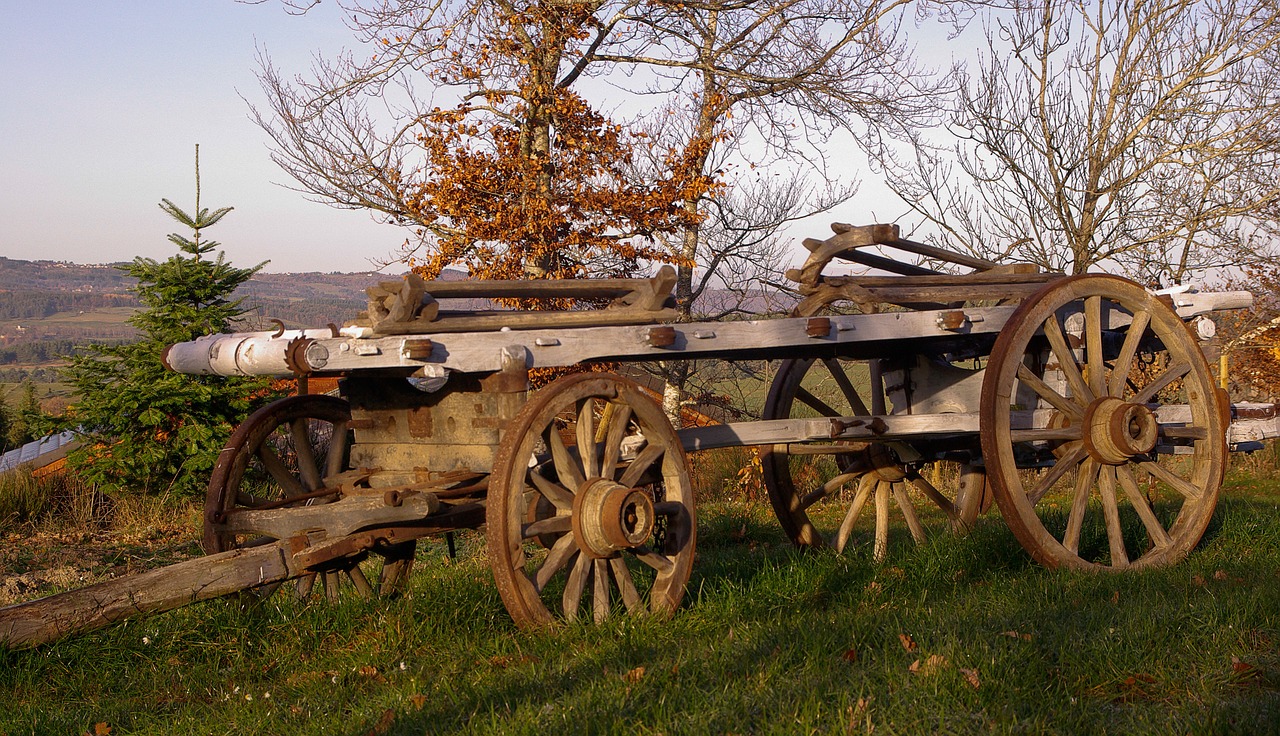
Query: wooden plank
[(43, 620), (496, 320), (553, 288)]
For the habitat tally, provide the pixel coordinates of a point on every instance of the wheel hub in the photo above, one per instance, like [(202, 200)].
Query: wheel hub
[(609, 517), (1117, 430)]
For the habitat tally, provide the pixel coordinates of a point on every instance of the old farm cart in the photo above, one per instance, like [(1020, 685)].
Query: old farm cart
[(1083, 404)]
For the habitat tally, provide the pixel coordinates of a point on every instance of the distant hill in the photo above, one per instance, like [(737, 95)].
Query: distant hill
[(47, 308)]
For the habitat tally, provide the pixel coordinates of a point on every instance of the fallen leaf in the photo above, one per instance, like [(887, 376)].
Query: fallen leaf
[(908, 643), (634, 676), (384, 723), (368, 671), (418, 701), (101, 729), (1197, 580), (930, 666), (971, 676), (1242, 670), (1219, 575), (1115, 598), (850, 655)]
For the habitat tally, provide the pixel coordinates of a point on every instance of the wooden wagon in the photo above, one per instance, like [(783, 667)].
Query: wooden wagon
[(1078, 403)]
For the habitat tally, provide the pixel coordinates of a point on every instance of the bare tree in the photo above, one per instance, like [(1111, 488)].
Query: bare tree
[(1125, 134)]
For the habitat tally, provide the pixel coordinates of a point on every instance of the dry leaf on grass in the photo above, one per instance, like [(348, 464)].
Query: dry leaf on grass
[(971, 676), (418, 701), (850, 655), (634, 676), (101, 729), (1016, 635), (908, 643), (930, 666)]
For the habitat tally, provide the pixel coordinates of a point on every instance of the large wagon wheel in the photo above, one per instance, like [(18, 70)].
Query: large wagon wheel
[(280, 457), (1130, 478), (853, 476), (590, 505)]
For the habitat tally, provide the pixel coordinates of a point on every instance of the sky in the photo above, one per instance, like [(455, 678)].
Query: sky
[(102, 104)]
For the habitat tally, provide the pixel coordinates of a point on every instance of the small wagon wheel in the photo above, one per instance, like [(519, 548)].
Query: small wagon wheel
[(590, 505), (852, 476), (283, 451), (1132, 454)]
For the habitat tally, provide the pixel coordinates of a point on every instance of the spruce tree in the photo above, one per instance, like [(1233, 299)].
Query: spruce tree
[(145, 428)]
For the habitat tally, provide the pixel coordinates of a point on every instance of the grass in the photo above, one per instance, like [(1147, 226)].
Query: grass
[(962, 635)]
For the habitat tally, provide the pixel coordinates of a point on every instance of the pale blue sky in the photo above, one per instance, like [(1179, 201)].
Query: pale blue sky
[(102, 103)]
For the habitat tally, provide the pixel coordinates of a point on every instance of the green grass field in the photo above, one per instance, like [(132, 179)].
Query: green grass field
[(961, 635)]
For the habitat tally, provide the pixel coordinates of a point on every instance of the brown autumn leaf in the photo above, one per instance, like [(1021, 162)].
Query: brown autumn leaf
[(1197, 580), (1115, 598), (1219, 575), (908, 643), (932, 665), (101, 729), (971, 676), (634, 676), (1016, 635), (384, 724), (1242, 670), (418, 701), (850, 655)]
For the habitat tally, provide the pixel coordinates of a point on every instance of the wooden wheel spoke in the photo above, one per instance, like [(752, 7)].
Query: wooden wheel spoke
[(638, 467), (1066, 359), (281, 474), (816, 404), (1124, 361), (568, 468), (1155, 531), (933, 494), (575, 586), (881, 549), (903, 499), (586, 434), (846, 387), (1111, 512), (1171, 374), (1048, 434), (553, 525), (307, 467), (1046, 392), (865, 487), (656, 560), (619, 420), (1055, 473), (303, 586), (361, 583), (626, 586), (332, 585), (1093, 345), (336, 459), (559, 554), (1080, 504), (600, 590), (1173, 480), (558, 495)]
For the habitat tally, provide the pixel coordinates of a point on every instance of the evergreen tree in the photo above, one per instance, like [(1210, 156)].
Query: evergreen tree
[(146, 428), (23, 423)]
